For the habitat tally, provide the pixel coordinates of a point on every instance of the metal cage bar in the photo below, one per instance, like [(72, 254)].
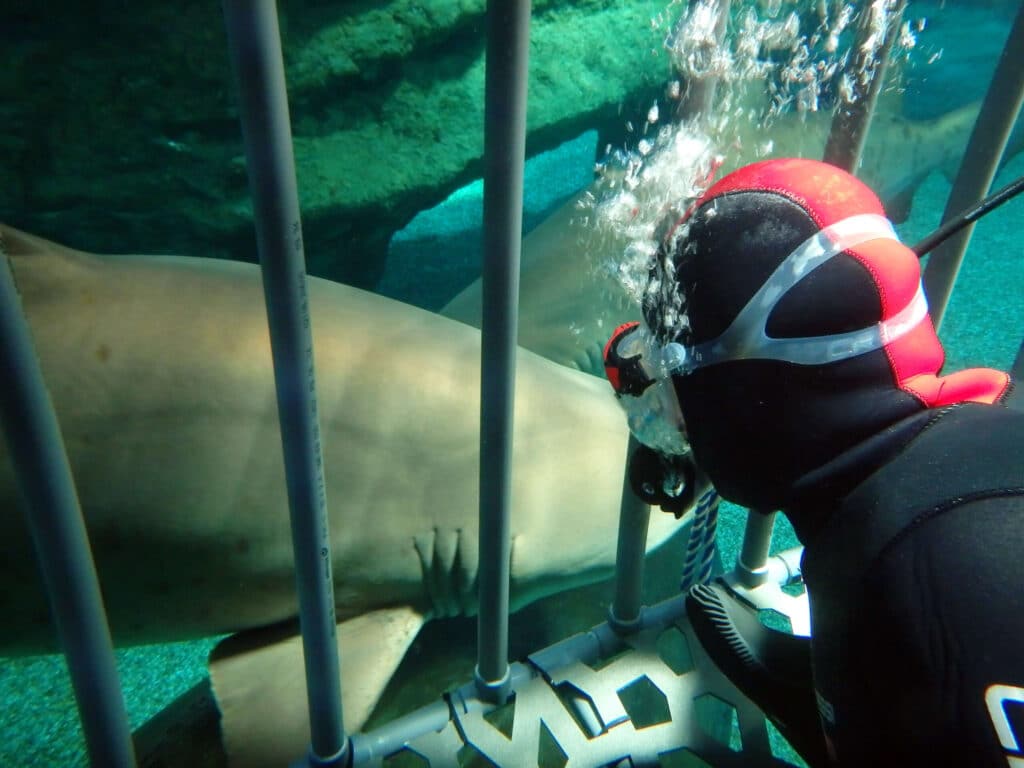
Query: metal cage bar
[(634, 519), (255, 43), (508, 39), (58, 532), (853, 119)]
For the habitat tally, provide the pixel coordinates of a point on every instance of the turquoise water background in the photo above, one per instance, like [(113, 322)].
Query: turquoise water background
[(984, 326)]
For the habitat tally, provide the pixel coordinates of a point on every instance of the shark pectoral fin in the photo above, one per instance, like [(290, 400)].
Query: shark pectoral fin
[(259, 683)]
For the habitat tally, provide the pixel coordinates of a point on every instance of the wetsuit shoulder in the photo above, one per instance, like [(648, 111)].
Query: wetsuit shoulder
[(915, 599)]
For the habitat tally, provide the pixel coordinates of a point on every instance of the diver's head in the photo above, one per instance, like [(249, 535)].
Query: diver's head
[(793, 326)]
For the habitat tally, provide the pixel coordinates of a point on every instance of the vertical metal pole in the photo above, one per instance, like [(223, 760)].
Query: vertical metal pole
[(634, 517), (1016, 397), (868, 62), (508, 40), (58, 532), (699, 97), (843, 149), (979, 165), (752, 566), (255, 43)]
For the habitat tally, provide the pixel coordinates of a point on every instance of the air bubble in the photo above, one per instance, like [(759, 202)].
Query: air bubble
[(769, 54)]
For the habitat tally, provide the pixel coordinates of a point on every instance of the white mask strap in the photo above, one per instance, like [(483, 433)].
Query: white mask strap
[(746, 339)]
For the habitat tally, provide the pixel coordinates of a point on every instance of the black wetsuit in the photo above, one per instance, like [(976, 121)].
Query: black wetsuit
[(905, 486), (916, 584)]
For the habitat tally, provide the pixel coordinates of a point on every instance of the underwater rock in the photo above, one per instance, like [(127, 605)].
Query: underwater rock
[(121, 130)]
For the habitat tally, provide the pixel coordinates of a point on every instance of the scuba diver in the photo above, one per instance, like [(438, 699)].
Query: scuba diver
[(786, 337)]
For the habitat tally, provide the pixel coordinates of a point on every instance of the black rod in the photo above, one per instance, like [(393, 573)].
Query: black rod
[(55, 522), (508, 45), (255, 43), (971, 215)]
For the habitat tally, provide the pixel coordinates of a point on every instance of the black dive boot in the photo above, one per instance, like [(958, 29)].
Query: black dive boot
[(773, 669)]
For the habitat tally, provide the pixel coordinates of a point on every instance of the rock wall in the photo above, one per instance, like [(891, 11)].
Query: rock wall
[(120, 132)]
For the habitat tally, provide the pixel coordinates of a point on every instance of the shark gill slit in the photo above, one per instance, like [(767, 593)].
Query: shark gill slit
[(449, 586)]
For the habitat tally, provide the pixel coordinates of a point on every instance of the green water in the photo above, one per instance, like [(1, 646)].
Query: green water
[(984, 325)]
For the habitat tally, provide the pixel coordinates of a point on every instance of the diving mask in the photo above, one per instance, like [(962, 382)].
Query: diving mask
[(641, 370), (746, 337)]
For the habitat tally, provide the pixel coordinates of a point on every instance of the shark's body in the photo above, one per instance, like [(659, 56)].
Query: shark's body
[(160, 372), (570, 302)]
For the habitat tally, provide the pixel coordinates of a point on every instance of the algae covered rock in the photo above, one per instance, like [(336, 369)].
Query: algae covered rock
[(120, 130)]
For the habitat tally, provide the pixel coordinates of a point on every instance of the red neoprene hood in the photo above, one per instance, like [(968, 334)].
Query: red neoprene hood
[(758, 424)]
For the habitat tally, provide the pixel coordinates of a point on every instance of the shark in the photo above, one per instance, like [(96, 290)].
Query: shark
[(572, 291), (159, 369)]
